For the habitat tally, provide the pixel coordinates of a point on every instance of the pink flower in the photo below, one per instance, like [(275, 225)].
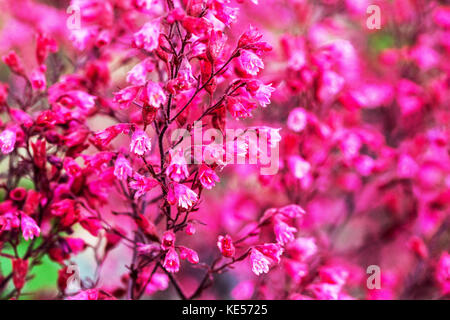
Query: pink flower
[(292, 211), (418, 246), (138, 75), (249, 37), (272, 251), (296, 270), (250, 62), (283, 232), (207, 177), (122, 168), (243, 291), (4, 88), (29, 227), (158, 282), (443, 273), (154, 95), (140, 143), (260, 264), (334, 274), (37, 78), (92, 225), (298, 166), (297, 119), (330, 85), (7, 140), (168, 240), (147, 37), (226, 246), (302, 248), (171, 261), (189, 254), (190, 229), (224, 13), (142, 184), (20, 270), (126, 96), (238, 109), (177, 169), (325, 291), (216, 44), (182, 196), (104, 137), (13, 62), (260, 92), (90, 294)]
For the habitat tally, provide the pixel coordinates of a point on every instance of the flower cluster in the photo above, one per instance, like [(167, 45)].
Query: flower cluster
[(94, 172)]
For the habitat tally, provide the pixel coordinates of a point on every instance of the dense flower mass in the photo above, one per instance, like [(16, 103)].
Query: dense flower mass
[(199, 149)]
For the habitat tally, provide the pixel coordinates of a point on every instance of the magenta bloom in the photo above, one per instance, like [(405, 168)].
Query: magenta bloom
[(177, 169), (154, 95), (297, 120), (189, 254), (250, 62), (168, 240), (29, 227), (283, 232), (226, 246), (443, 273), (140, 143), (171, 261), (260, 263), (126, 96), (207, 177), (147, 37), (142, 184), (7, 140), (182, 196), (122, 168)]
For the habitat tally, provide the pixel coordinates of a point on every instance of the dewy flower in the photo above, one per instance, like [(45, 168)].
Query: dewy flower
[(7, 140), (147, 37), (226, 246), (182, 196), (207, 177), (171, 261), (29, 227), (140, 143), (177, 169), (250, 62), (260, 264), (122, 168), (283, 232)]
